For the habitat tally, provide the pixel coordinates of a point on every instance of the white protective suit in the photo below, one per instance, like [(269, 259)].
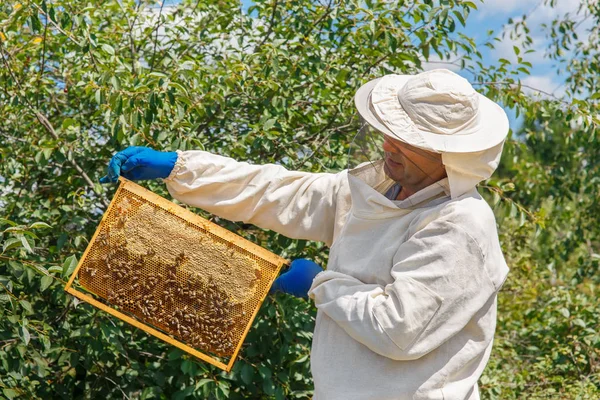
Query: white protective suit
[(407, 305)]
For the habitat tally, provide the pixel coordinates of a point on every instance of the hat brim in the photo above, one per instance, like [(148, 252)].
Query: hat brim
[(494, 117)]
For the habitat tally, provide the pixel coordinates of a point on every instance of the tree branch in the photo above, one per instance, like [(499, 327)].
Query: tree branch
[(68, 35), (43, 63), (117, 386), (270, 29), (46, 124), (165, 53), (131, 41), (13, 137), (525, 86), (44, 121), (58, 28), (156, 28)]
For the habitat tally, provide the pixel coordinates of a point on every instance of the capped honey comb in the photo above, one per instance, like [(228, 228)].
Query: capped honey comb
[(174, 274)]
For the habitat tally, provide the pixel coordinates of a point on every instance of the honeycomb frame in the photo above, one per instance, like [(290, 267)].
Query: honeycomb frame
[(170, 296)]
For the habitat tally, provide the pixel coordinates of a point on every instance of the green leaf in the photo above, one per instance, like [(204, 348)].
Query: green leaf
[(10, 393), (16, 229), (182, 394), (279, 393), (203, 382), (265, 372), (11, 243), (301, 359), (26, 305), (26, 244), (565, 312), (175, 354), (41, 269), (68, 122), (115, 82), (224, 388), (47, 152), (269, 387), (45, 282), (39, 225), (460, 17), (7, 221), (269, 124), (186, 366), (36, 25), (247, 374), (579, 322), (45, 341), (524, 70), (392, 41), (55, 269), (157, 74), (108, 48), (25, 335), (69, 266)]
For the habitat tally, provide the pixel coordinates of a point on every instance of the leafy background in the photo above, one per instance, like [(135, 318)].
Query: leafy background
[(81, 80)]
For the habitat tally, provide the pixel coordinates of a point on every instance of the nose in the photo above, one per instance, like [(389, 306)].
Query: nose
[(390, 147)]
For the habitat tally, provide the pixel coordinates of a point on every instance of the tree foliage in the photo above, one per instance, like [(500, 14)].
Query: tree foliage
[(81, 80)]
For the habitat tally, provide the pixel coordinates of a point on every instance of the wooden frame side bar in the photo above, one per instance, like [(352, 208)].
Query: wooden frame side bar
[(88, 248), (250, 321)]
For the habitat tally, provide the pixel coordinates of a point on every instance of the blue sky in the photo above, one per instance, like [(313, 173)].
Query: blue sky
[(493, 14)]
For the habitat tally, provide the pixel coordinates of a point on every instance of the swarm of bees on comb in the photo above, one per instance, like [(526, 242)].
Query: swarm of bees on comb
[(169, 295)]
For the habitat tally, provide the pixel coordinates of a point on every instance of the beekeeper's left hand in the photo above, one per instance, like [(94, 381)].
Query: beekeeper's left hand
[(298, 279)]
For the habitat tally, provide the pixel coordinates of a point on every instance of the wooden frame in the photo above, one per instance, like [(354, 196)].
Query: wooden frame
[(198, 221)]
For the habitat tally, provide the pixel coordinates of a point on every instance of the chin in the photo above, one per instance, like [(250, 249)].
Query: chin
[(390, 174)]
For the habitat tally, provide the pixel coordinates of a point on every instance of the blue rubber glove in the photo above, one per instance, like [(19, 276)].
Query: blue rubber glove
[(139, 163), (298, 279)]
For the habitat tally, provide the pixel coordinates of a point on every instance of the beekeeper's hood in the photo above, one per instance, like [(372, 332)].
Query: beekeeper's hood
[(439, 111)]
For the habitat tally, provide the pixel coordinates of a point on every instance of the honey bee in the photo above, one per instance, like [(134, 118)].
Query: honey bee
[(123, 207)]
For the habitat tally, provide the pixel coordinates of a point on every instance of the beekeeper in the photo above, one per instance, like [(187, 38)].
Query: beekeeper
[(407, 304)]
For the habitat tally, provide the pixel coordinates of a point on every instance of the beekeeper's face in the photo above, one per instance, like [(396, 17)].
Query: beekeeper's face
[(410, 166)]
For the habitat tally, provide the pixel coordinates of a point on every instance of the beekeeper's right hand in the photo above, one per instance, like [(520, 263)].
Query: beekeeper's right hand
[(140, 163)]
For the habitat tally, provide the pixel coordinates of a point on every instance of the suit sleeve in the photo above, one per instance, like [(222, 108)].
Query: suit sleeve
[(299, 205)]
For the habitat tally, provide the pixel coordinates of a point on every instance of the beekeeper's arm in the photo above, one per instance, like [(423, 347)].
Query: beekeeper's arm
[(440, 283), (296, 204)]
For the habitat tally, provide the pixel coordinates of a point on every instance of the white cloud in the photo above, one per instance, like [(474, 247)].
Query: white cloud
[(435, 62), (228, 41), (505, 49), (542, 85), (545, 13), (505, 7), (538, 12)]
